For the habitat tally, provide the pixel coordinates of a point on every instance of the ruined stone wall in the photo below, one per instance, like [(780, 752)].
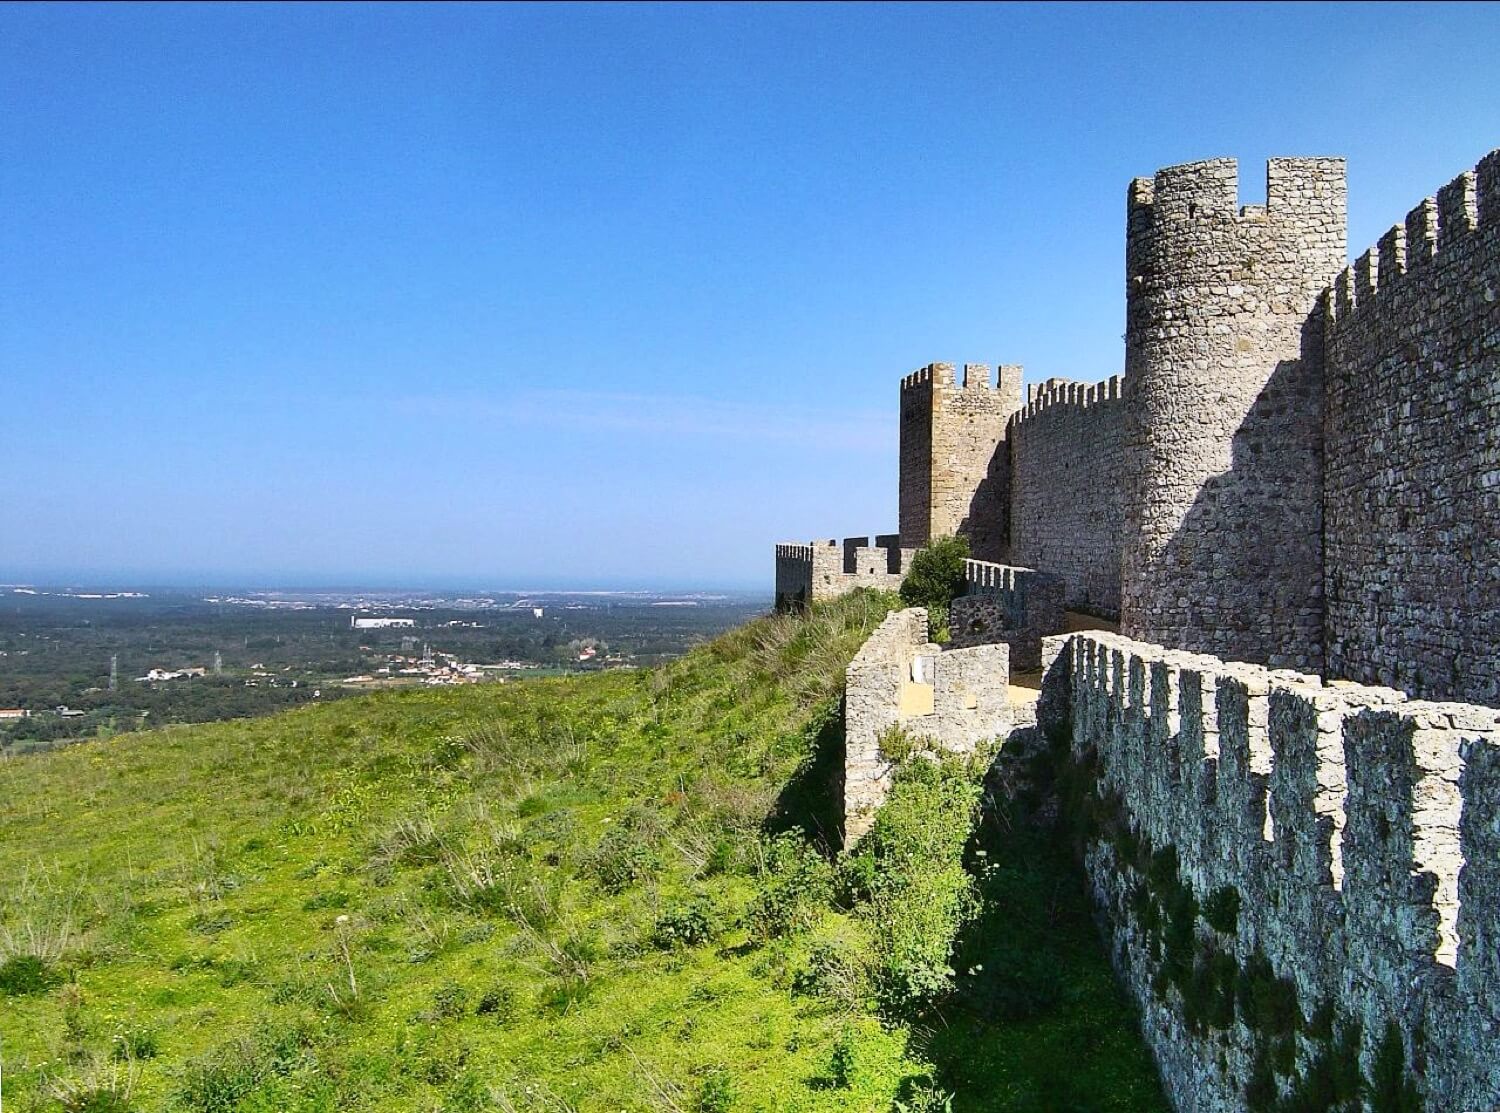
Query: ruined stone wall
[(1301, 882), (1016, 606), (1066, 501), (1223, 408), (954, 468), (1412, 467), (951, 699), (809, 572)]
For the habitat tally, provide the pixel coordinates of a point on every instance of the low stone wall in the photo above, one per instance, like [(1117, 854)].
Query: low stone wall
[(953, 699), (811, 571), (1301, 882), (1016, 606)]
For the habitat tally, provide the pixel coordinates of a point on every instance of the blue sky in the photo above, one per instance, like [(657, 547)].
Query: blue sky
[(608, 295)]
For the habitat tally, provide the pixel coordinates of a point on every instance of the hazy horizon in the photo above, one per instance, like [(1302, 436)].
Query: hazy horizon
[(601, 294)]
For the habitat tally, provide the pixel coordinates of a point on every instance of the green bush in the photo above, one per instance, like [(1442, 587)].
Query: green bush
[(22, 975), (837, 970), (716, 1093), (919, 893), (687, 923), (498, 1003), (133, 1043), (796, 883), (936, 578), (625, 855)]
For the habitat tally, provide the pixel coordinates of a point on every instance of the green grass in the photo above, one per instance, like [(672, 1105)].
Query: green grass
[(598, 893)]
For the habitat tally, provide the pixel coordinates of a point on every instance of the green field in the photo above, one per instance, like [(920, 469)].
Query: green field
[(601, 893)]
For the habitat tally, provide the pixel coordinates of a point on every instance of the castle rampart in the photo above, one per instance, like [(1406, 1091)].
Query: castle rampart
[(809, 572), (1356, 832), (1412, 450), (1298, 863), (1222, 467), (1016, 607), (1066, 503)]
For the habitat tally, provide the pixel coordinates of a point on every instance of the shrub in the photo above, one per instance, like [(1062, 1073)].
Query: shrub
[(450, 1001), (716, 1093), (687, 924), (936, 578), (837, 970), (844, 1063), (795, 883), (897, 747), (626, 853), (23, 975), (911, 864), (133, 1044), (498, 1003), (921, 1096), (102, 1087)]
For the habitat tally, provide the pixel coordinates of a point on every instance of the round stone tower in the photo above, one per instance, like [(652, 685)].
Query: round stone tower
[(1222, 549)]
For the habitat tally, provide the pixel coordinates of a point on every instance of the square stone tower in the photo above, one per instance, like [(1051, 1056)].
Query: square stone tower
[(955, 467)]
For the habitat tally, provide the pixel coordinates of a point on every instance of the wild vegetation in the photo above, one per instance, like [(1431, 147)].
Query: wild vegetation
[(936, 578), (608, 892)]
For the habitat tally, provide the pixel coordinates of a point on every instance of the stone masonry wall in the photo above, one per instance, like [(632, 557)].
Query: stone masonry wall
[(1359, 835), (1412, 467), (953, 699), (1016, 606), (1066, 501), (809, 572), (955, 473), (1223, 395)]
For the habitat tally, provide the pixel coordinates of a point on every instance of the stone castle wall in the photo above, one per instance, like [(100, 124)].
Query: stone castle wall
[(952, 699), (1013, 606), (1223, 381), (955, 470), (1066, 504), (1356, 835), (809, 572), (1412, 454)]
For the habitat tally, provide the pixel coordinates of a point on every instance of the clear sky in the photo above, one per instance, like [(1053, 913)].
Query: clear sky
[(615, 295)]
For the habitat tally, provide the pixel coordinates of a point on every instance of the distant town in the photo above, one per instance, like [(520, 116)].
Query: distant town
[(81, 661)]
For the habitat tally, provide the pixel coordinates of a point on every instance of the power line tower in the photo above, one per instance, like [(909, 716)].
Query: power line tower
[(218, 663), (114, 672)]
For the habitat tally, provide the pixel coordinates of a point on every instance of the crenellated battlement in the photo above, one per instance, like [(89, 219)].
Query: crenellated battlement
[(1356, 828), (811, 571), (1436, 230), (976, 376), (954, 474), (1194, 194), (1007, 605), (1054, 393)]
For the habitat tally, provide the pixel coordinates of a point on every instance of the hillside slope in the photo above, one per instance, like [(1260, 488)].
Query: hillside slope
[(602, 893)]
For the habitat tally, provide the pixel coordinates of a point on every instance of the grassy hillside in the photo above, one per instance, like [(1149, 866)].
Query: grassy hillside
[(604, 893)]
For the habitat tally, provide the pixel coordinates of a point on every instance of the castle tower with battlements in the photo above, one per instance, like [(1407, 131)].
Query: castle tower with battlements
[(955, 470), (1222, 545)]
